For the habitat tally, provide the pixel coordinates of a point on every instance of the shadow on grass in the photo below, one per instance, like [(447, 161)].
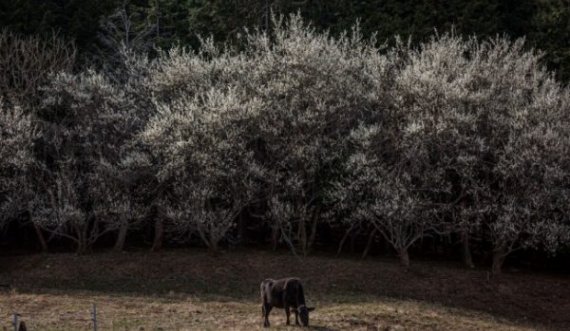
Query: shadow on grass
[(321, 328)]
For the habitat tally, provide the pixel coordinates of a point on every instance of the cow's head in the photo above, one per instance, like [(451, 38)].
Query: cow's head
[(304, 314)]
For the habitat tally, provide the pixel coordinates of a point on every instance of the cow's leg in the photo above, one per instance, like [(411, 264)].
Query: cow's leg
[(296, 317), (266, 309), (287, 312), (263, 312)]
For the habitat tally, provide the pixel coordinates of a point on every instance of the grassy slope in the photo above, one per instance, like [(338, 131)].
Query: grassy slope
[(190, 290)]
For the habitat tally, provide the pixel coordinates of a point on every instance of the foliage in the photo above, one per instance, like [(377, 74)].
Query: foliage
[(306, 130), (199, 136), (545, 23), (26, 64), (307, 108), (86, 124), (487, 115), (16, 142)]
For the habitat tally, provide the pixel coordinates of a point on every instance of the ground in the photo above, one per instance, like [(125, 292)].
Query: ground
[(192, 290)]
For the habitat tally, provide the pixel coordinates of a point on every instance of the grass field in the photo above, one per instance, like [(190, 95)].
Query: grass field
[(191, 290)]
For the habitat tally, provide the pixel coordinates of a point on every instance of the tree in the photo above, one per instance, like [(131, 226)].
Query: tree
[(307, 108), (199, 139), (86, 125), (26, 64), (388, 184), (437, 86), (551, 32), (486, 109), (16, 142)]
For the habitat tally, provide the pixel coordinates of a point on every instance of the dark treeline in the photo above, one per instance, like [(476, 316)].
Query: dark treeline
[(124, 127), (545, 23)]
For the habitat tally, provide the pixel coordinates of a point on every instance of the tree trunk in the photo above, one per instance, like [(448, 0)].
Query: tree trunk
[(81, 246), (314, 223), (387, 247), (121, 236), (369, 243), (41, 238), (499, 255), (343, 240), (158, 234), (213, 246), (303, 236), (467, 258), (353, 237), (404, 257), (274, 237), (81, 239)]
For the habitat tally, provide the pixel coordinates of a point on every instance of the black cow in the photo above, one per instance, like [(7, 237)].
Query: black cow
[(284, 293)]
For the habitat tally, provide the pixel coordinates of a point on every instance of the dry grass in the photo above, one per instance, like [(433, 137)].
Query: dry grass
[(179, 312), (190, 290)]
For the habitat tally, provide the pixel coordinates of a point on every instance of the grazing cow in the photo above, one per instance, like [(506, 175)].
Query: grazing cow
[(284, 293)]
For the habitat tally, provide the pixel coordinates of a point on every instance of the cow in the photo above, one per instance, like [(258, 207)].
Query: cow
[(284, 293)]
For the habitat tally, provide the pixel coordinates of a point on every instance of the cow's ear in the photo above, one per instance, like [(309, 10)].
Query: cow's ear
[(310, 308)]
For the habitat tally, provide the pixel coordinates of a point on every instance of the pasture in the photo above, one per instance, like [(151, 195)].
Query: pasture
[(192, 290)]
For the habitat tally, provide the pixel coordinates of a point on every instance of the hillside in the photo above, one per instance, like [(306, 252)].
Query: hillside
[(192, 290)]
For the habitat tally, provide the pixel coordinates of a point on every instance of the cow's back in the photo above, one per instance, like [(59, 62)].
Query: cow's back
[(277, 293)]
